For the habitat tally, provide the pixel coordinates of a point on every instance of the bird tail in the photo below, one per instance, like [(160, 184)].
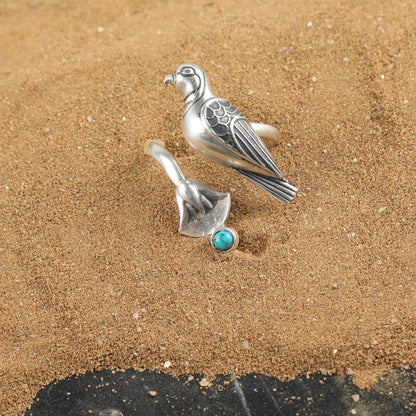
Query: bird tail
[(279, 188)]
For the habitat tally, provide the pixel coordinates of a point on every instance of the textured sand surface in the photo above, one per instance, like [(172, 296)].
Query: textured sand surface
[(93, 271)]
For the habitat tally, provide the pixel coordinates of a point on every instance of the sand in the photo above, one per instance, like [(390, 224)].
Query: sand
[(94, 274)]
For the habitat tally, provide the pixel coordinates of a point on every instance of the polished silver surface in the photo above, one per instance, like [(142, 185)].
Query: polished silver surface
[(266, 132), (202, 210), (217, 130)]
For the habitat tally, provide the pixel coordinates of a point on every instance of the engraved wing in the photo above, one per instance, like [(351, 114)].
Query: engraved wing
[(233, 130), (219, 115)]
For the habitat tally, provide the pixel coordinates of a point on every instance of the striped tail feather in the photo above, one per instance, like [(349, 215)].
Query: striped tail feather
[(280, 189)]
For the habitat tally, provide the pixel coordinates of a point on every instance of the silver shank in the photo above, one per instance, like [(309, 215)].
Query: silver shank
[(166, 159)]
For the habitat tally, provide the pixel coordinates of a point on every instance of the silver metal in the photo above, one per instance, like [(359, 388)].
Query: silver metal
[(265, 131), (202, 210), (218, 131)]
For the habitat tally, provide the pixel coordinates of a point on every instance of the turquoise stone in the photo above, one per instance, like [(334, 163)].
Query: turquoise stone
[(223, 240)]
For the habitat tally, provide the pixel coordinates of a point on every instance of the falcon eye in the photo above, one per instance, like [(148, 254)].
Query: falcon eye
[(187, 71)]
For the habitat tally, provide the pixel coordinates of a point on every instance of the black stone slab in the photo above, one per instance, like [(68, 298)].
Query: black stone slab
[(131, 393)]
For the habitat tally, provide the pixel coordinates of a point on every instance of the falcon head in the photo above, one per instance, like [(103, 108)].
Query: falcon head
[(189, 80)]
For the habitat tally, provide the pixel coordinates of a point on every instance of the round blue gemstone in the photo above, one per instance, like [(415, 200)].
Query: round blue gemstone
[(223, 240)]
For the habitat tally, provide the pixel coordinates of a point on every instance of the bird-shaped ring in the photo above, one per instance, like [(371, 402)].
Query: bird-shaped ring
[(217, 130)]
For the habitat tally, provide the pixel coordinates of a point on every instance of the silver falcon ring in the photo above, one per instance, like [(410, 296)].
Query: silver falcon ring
[(218, 131)]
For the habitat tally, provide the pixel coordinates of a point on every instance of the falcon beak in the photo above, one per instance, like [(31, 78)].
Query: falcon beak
[(170, 79)]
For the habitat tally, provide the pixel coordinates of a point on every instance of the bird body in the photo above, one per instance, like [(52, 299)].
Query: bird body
[(218, 131)]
